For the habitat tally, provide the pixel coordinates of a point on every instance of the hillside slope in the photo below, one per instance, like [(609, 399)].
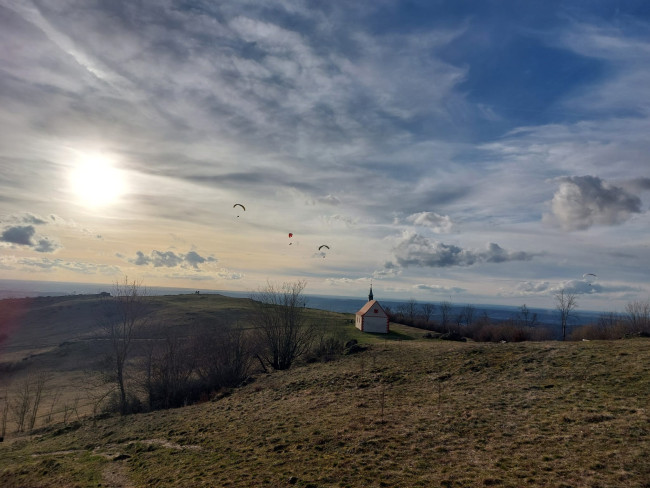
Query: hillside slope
[(408, 413), (62, 337)]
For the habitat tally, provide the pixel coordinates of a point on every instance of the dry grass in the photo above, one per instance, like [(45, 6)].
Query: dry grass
[(61, 335), (402, 413)]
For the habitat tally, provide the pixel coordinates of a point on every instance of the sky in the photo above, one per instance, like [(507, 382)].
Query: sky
[(478, 152)]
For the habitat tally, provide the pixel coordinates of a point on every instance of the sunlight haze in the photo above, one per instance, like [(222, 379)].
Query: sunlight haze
[(478, 152)]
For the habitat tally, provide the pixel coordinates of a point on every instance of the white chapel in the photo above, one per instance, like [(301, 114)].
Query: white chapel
[(372, 318)]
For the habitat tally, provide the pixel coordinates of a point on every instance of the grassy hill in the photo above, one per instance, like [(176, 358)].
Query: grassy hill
[(63, 336), (416, 412)]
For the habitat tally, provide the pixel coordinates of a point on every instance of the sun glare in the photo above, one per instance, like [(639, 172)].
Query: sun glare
[(96, 182)]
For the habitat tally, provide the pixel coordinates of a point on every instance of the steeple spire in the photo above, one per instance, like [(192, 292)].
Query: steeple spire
[(370, 294)]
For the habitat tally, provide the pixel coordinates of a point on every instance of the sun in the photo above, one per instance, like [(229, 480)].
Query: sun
[(96, 181)]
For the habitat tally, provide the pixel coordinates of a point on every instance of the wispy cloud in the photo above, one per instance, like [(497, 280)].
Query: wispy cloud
[(439, 288), (54, 266)]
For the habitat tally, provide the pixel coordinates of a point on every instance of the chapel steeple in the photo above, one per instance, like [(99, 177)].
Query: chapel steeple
[(370, 294)]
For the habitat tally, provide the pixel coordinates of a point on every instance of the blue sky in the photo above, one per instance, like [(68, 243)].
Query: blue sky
[(478, 152)]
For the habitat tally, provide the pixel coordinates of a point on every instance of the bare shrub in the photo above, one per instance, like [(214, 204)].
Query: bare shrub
[(609, 326), (114, 403), (27, 399), (326, 348), (637, 315), (541, 334), (507, 332), (169, 368), (224, 357), (281, 323)]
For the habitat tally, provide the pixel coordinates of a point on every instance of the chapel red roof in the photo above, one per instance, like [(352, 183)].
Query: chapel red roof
[(368, 306)]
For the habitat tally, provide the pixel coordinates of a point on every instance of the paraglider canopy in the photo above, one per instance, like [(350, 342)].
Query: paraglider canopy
[(322, 253), (239, 205), (589, 277)]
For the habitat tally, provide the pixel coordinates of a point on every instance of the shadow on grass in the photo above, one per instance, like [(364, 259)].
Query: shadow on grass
[(391, 336)]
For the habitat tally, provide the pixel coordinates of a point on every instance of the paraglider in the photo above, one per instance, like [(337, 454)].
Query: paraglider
[(290, 236), (589, 277), (321, 247), (239, 205)]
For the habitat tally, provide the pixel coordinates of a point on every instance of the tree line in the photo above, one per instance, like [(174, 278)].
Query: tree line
[(447, 321)]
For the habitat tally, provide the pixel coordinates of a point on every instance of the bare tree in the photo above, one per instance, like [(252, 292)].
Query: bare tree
[(565, 303), (445, 312), (281, 321), (526, 318), (22, 403), (5, 415), (459, 318), (39, 384), (124, 310), (409, 310), (50, 414), (469, 312), (427, 310)]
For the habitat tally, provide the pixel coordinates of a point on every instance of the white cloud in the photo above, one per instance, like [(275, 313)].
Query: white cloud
[(440, 224), (583, 201), (416, 250)]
